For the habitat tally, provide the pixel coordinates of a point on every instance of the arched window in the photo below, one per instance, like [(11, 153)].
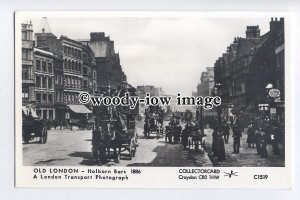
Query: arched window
[(69, 65), (72, 65), (79, 68), (66, 64)]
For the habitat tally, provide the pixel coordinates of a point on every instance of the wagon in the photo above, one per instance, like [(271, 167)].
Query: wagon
[(154, 117), (33, 128), (114, 129), (173, 134), (195, 139)]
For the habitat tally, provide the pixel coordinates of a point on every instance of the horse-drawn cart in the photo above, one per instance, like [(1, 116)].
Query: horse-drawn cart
[(33, 127), (154, 116), (114, 129)]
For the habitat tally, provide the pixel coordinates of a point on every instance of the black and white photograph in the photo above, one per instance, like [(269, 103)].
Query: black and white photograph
[(151, 91)]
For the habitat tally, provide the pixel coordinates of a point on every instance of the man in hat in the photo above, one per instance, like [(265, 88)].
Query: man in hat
[(236, 134)]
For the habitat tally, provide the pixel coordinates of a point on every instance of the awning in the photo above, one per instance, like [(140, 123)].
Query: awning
[(79, 109), (27, 111)]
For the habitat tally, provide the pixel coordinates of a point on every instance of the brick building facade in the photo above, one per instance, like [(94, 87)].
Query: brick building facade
[(248, 66)]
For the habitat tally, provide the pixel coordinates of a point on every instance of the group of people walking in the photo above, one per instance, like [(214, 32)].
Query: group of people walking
[(260, 133)]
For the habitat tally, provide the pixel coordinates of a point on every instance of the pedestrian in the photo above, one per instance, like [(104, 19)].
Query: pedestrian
[(220, 146), (185, 137), (226, 132), (55, 123), (236, 134), (251, 135), (257, 136), (214, 141), (274, 136), (264, 142)]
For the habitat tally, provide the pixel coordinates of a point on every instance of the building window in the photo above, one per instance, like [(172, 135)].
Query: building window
[(25, 54), (50, 83), (25, 94), (25, 74), (44, 82), (50, 67), (50, 97), (38, 81), (44, 66), (45, 98), (79, 68), (68, 81), (61, 96), (51, 114), (37, 64), (38, 97)]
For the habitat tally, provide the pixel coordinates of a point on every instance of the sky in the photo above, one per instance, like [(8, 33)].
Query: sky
[(167, 52)]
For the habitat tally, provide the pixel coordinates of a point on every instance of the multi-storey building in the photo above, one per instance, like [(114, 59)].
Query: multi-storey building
[(68, 72), (206, 84), (28, 96), (267, 69), (73, 72), (89, 70), (49, 42), (109, 69), (248, 66), (204, 88), (44, 84)]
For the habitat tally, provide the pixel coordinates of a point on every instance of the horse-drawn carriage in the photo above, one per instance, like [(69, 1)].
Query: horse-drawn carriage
[(173, 130), (114, 129), (154, 117), (33, 127), (192, 136)]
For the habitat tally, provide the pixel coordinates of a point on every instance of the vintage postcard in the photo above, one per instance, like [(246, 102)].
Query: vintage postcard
[(152, 99)]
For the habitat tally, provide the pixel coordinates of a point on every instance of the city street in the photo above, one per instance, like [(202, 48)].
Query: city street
[(247, 157), (73, 148)]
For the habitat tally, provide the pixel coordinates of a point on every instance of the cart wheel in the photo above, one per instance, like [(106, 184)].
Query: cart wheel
[(130, 151), (43, 138)]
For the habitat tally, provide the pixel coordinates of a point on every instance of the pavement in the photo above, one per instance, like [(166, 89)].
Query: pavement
[(247, 156), (73, 148)]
